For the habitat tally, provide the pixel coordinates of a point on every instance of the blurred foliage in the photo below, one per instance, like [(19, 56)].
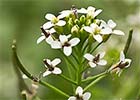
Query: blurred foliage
[(21, 20)]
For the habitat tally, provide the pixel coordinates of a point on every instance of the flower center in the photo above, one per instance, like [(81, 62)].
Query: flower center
[(66, 44), (47, 34), (79, 97), (55, 20), (96, 59), (122, 65), (97, 30), (50, 67)]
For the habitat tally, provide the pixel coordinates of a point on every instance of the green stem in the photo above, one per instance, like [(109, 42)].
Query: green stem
[(68, 79), (53, 88), (68, 60), (30, 76), (95, 47), (129, 39), (94, 82), (95, 76)]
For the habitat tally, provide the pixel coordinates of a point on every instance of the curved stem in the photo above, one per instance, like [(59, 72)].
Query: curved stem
[(30, 76), (95, 76), (95, 47), (129, 39), (94, 82), (68, 79)]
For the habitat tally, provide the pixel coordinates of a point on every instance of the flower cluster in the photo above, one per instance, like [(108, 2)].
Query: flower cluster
[(72, 24), (74, 32)]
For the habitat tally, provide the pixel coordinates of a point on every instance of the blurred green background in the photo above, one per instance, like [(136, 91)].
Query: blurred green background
[(21, 20)]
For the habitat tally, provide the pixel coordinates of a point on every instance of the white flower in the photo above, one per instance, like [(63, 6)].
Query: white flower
[(65, 44), (46, 35), (53, 21), (90, 11), (97, 60), (80, 95), (110, 25), (51, 67), (123, 63), (96, 31)]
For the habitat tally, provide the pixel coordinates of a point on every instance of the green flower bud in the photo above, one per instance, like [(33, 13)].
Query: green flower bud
[(76, 21), (82, 19), (88, 22), (75, 29)]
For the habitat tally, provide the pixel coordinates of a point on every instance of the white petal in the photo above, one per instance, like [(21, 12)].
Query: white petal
[(98, 38), (102, 54), (60, 23), (57, 71), (63, 38), (118, 32), (48, 25), (56, 45), (52, 30), (55, 62), (86, 96), (111, 24), (68, 36), (74, 41), (122, 56), (119, 73), (97, 12), (93, 26), (82, 10), (129, 62), (92, 65), (67, 50), (46, 73), (24, 76), (64, 14), (106, 30), (48, 61), (50, 16), (79, 91), (90, 8), (102, 62), (40, 39), (89, 57), (49, 40), (72, 98), (88, 29)]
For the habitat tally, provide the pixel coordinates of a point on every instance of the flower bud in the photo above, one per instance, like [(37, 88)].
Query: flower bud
[(82, 19), (76, 21), (75, 29), (88, 22)]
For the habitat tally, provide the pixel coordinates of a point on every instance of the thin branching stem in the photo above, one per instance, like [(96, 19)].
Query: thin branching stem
[(94, 77), (30, 76), (129, 39), (94, 82), (68, 79)]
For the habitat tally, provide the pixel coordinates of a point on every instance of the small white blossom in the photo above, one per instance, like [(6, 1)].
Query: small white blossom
[(65, 44), (46, 35), (110, 25), (90, 11), (51, 67), (53, 21), (80, 95), (123, 63), (95, 60), (96, 31), (66, 13)]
